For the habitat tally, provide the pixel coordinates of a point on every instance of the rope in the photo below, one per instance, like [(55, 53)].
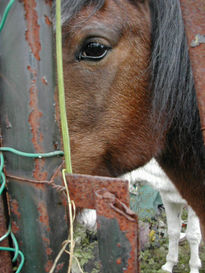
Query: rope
[(63, 116), (70, 240), (4, 17)]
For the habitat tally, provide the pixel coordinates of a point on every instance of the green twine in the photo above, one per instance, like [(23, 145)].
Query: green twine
[(65, 134), (14, 151), (64, 124), (20, 266), (15, 249), (2, 175), (7, 9)]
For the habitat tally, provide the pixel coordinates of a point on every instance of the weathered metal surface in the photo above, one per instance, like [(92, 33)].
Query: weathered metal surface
[(27, 115), (5, 258), (117, 225), (194, 19), (118, 236), (82, 189)]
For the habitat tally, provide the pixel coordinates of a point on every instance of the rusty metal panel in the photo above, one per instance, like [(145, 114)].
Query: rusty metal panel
[(82, 189), (118, 236), (28, 123), (193, 12)]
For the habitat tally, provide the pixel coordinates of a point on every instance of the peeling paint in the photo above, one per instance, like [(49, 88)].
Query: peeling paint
[(15, 228), (43, 215), (32, 34), (44, 80), (49, 2), (49, 251), (46, 240), (48, 20), (82, 189), (34, 121), (48, 266), (59, 267), (15, 208)]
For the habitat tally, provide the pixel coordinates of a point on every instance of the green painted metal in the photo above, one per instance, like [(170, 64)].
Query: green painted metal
[(118, 235), (28, 123), (110, 237)]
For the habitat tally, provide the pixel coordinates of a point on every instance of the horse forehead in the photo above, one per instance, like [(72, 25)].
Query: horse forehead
[(114, 14)]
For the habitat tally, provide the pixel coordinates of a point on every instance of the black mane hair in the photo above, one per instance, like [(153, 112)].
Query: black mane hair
[(173, 93), (174, 105)]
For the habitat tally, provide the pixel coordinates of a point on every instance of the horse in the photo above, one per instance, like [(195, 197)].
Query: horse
[(130, 92), (152, 174)]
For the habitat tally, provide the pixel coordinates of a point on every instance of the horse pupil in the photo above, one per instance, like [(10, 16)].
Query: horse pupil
[(94, 50)]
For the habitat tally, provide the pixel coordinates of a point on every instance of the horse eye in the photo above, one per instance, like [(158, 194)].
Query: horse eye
[(93, 51)]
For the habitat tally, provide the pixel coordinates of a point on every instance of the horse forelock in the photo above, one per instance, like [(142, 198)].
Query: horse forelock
[(69, 8)]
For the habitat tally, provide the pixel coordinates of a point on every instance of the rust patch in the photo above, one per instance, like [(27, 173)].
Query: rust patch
[(46, 240), (59, 267), (119, 261), (47, 20), (49, 251), (43, 216), (44, 80), (15, 208), (49, 2), (33, 28), (82, 189), (34, 121), (48, 266), (44, 220), (15, 228)]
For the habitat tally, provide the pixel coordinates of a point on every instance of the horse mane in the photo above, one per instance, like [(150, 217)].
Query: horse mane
[(173, 94)]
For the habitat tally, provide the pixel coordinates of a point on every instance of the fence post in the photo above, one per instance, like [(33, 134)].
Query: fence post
[(28, 123)]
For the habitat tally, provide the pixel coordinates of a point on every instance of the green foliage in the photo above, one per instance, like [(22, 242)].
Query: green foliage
[(85, 249), (151, 258), (154, 255)]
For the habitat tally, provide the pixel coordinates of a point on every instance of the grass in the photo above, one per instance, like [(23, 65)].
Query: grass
[(154, 255)]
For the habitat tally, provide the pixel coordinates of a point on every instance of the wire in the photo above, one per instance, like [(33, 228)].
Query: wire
[(4, 17), (15, 249), (14, 151), (19, 252), (2, 175)]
